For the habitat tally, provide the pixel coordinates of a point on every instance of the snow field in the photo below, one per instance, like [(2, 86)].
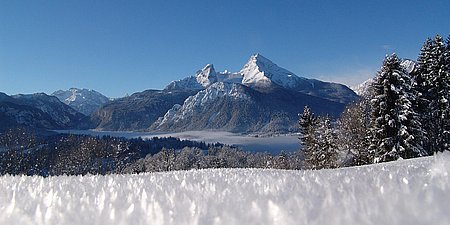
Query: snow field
[(404, 192)]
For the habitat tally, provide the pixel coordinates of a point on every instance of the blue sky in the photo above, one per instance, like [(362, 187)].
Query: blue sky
[(119, 47)]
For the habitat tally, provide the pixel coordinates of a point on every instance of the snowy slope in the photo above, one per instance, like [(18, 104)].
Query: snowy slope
[(196, 103), (204, 78), (207, 76), (190, 83), (403, 192)]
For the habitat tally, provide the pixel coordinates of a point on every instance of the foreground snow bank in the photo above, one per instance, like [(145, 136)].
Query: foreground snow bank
[(404, 192)]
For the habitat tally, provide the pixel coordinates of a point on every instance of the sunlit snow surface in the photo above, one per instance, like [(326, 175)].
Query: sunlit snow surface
[(404, 192)]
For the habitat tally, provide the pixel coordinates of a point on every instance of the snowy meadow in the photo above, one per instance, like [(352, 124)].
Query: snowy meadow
[(414, 191)]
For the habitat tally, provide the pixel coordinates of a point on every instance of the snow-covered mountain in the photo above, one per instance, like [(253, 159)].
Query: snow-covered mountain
[(39, 111), (83, 100), (238, 108), (261, 73), (261, 97), (258, 71), (414, 191)]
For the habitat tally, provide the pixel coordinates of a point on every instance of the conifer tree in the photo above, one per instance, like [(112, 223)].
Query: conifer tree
[(421, 86), (352, 133), (433, 84), (326, 153), (308, 123), (395, 130), (318, 140), (444, 97)]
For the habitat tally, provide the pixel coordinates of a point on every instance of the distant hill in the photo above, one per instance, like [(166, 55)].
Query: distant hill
[(83, 100), (39, 111), (138, 111)]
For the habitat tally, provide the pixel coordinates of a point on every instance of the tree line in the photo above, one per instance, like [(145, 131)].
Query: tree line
[(25, 151), (404, 114)]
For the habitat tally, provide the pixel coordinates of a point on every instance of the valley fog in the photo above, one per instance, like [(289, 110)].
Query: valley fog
[(253, 143)]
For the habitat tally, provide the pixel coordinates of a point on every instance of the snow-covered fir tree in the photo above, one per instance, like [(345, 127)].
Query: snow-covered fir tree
[(352, 132), (308, 124), (395, 127), (446, 98), (281, 161), (318, 141), (326, 151), (420, 86), (433, 85)]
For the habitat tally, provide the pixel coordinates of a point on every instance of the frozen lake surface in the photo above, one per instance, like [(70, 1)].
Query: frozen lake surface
[(272, 144)]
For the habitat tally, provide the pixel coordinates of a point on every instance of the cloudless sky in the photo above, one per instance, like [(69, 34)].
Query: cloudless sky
[(119, 47)]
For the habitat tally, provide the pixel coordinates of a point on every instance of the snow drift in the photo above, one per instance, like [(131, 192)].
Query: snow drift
[(404, 192)]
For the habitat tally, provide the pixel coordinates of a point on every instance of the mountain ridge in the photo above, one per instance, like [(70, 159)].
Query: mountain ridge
[(261, 97), (260, 72), (39, 111), (137, 111)]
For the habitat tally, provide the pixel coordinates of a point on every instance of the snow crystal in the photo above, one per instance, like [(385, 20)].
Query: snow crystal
[(403, 192)]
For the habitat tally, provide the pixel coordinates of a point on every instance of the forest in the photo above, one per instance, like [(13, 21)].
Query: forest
[(402, 115)]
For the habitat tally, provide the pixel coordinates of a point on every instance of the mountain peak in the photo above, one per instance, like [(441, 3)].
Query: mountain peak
[(262, 72), (208, 67), (260, 61), (207, 75)]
